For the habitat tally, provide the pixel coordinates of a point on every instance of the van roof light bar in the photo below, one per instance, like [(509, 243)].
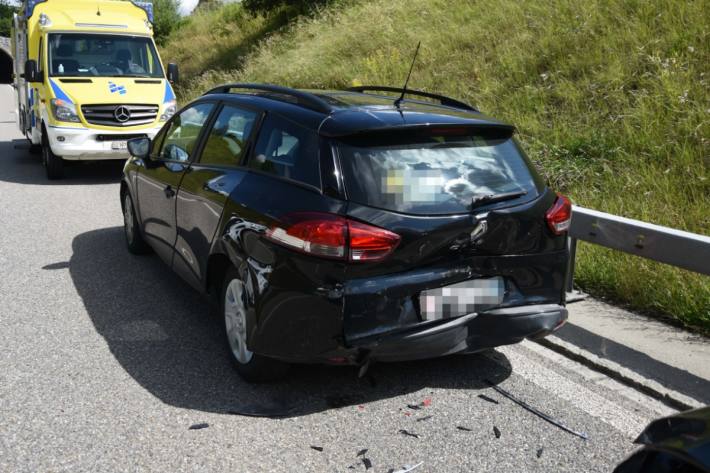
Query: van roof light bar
[(443, 100), (304, 99)]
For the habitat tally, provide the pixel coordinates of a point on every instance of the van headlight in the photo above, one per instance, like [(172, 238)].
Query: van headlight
[(168, 111), (64, 111)]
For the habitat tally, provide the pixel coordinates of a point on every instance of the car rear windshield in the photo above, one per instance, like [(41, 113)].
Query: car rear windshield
[(436, 174)]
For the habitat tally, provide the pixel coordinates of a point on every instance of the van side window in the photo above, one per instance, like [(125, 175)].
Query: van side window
[(287, 150), (181, 138), (227, 140)]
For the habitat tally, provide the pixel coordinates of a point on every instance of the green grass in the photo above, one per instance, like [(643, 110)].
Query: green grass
[(611, 99)]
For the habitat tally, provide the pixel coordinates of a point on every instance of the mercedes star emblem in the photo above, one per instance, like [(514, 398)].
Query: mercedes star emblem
[(122, 114)]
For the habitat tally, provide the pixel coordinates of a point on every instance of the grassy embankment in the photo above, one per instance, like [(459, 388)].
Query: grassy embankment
[(611, 99)]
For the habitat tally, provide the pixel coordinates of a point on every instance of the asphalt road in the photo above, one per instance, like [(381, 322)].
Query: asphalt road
[(107, 359)]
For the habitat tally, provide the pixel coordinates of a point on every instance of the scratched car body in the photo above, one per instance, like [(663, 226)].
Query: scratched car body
[(351, 226)]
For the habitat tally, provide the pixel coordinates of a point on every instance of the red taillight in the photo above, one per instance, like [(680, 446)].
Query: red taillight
[(331, 236), (559, 216), (368, 243)]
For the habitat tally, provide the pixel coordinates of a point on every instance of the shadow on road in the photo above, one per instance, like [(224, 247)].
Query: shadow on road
[(20, 166), (160, 331)]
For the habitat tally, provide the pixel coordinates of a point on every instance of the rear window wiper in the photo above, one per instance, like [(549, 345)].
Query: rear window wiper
[(493, 198)]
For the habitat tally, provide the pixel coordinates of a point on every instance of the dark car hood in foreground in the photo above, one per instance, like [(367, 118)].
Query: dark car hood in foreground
[(685, 436)]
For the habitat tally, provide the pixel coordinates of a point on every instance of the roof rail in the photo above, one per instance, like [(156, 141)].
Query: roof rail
[(304, 99), (443, 100)]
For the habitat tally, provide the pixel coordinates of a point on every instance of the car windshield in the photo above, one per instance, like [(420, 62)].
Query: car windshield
[(436, 175), (102, 55)]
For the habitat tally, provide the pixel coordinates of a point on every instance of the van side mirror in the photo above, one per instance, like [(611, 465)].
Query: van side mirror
[(173, 73), (31, 72), (139, 147)]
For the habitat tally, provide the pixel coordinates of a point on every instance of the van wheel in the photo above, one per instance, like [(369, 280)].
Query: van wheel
[(134, 240), (250, 366), (52, 163)]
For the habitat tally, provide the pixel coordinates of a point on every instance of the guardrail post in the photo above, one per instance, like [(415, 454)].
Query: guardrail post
[(572, 295), (572, 248)]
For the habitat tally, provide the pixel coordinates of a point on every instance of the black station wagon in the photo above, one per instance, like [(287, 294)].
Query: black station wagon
[(353, 226)]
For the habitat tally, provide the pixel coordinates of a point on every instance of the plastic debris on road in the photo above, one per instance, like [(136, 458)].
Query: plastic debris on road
[(489, 399), (538, 413), (203, 425), (408, 434), (406, 468)]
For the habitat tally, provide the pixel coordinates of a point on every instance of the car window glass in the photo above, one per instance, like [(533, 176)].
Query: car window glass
[(287, 150), (227, 139), (181, 138)]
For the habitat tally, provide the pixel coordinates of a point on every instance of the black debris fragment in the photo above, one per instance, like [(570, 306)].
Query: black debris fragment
[(408, 434), (362, 452), (203, 425), (367, 463), (486, 398), (424, 418), (415, 407), (496, 431), (317, 449), (539, 452), (542, 415), (465, 429)]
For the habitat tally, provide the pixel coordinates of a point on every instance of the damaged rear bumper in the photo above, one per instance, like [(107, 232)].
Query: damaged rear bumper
[(466, 334)]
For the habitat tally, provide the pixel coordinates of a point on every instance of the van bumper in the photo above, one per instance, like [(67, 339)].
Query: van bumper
[(89, 144), (468, 334)]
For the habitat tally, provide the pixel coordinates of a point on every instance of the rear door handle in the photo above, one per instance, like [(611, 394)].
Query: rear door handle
[(169, 192)]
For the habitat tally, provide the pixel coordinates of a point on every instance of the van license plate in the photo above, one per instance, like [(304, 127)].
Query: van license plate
[(119, 145), (461, 298)]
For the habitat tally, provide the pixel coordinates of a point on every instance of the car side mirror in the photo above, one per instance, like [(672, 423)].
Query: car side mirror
[(139, 147), (31, 72), (173, 73)]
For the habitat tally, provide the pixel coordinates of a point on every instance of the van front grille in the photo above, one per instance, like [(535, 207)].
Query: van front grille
[(120, 114)]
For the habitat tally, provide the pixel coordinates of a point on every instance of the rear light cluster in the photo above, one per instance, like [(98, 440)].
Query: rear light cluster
[(559, 216), (332, 236)]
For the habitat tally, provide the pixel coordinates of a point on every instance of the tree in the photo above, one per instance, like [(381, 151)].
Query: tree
[(165, 19), (6, 12)]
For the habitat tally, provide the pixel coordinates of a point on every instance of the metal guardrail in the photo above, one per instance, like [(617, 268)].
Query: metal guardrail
[(675, 247)]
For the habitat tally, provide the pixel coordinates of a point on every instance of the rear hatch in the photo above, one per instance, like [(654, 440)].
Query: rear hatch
[(470, 211)]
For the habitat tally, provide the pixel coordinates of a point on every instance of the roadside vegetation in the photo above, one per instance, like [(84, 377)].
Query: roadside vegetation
[(611, 98)]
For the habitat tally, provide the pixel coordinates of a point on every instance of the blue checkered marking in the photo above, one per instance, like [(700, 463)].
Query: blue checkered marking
[(113, 88)]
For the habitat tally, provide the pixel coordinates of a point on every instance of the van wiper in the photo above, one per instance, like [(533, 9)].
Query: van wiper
[(493, 198)]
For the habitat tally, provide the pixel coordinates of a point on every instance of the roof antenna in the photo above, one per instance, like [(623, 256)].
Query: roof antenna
[(404, 89), (98, 9)]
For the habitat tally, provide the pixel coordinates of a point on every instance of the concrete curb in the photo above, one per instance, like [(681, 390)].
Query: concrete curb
[(624, 375)]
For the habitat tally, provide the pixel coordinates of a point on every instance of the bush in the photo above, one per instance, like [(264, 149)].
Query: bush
[(267, 5)]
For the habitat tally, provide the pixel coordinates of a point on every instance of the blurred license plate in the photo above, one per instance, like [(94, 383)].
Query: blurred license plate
[(461, 298), (119, 145)]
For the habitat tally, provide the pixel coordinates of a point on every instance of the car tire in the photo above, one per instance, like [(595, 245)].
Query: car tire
[(53, 164), (134, 239), (251, 366)]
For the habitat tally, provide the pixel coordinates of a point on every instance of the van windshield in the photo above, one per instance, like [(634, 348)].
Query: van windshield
[(437, 175), (102, 55)]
